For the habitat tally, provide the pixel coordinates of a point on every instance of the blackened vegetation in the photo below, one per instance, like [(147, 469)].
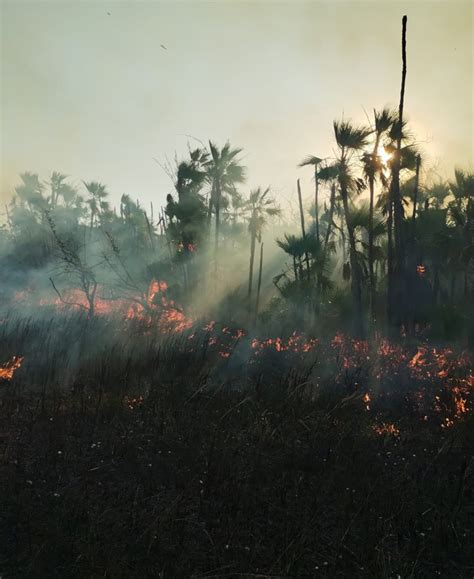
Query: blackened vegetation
[(144, 457)]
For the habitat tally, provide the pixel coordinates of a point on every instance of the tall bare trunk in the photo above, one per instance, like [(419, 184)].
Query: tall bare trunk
[(399, 269)]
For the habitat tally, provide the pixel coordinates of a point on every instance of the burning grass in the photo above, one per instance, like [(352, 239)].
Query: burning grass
[(209, 451), (7, 371)]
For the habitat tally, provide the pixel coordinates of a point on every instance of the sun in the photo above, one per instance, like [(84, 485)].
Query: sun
[(383, 155)]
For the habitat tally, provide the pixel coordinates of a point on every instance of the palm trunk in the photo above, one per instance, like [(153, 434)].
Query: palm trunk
[(295, 268), (390, 291), (259, 285), (415, 196), (436, 284), (300, 199), (209, 207), (371, 250), (316, 200), (371, 232), (467, 234), (331, 217), (356, 282), (252, 259), (453, 287), (217, 205)]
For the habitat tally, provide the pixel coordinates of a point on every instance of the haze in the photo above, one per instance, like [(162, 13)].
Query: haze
[(96, 90)]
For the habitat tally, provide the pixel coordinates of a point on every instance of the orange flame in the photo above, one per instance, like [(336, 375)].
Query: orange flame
[(420, 270), (8, 370)]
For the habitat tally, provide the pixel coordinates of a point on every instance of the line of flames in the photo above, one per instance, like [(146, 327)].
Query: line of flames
[(387, 360)]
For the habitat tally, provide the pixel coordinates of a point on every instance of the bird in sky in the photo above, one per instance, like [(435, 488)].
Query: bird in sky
[(163, 46)]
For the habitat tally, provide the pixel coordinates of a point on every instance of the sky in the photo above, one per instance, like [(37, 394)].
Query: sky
[(108, 91)]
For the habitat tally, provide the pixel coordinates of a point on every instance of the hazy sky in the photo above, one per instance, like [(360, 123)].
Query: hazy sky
[(95, 96)]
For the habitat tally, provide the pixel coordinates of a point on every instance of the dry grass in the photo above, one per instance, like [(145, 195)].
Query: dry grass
[(211, 477)]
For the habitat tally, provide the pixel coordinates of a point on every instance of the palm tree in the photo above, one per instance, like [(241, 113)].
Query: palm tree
[(294, 247), (462, 212), (329, 175), (436, 194), (373, 168), (31, 191), (187, 214), (314, 162), (191, 174), (97, 202), (259, 206), (349, 140), (56, 183), (363, 223), (224, 172)]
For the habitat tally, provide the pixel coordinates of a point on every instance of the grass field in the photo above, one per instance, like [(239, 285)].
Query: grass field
[(127, 454)]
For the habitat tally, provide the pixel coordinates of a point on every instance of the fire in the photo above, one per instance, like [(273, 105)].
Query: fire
[(350, 353), (459, 401), (155, 288), (191, 247), (437, 382), (153, 306), (386, 428), (367, 399), (420, 270), (170, 318), (8, 370), (418, 358), (296, 343), (209, 327)]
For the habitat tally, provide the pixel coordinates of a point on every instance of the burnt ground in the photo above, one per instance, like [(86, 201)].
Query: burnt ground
[(191, 482), (123, 457)]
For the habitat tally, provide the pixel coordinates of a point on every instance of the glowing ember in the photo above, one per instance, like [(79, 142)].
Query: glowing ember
[(420, 270), (296, 343), (8, 370), (386, 428), (132, 403), (366, 399)]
